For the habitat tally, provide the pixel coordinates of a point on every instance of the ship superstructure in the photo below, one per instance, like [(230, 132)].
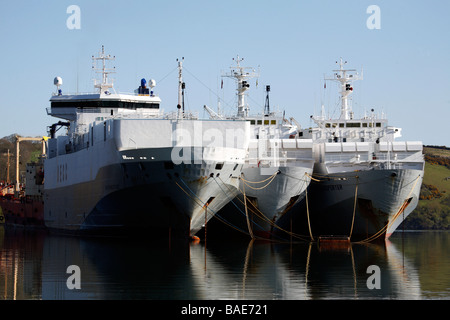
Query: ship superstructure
[(124, 164), (366, 180), (277, 167)]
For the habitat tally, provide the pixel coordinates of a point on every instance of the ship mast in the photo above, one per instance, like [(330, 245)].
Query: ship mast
[(241, 75), (181, 87), (104, 85), (345, 77)]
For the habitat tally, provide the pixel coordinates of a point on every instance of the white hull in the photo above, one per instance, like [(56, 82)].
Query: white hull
[(362, 205), (277, 168), (110, 186), (267, 202), (367, 182)]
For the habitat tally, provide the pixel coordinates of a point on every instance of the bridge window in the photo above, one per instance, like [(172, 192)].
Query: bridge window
[(82, 104)]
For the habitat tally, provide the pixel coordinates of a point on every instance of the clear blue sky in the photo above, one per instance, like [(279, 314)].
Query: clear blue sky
[(406, 62)]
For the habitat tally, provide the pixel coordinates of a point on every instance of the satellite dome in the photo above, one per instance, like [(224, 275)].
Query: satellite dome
[(57, 81), (152, 83)]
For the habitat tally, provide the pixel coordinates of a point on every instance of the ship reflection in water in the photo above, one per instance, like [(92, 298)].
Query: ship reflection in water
[(33, 265)]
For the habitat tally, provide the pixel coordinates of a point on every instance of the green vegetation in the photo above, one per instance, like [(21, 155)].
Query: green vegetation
[(433, 210), (29, 152)]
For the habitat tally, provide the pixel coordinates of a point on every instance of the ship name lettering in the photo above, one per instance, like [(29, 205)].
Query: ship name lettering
[(127, 157), (334, 187)]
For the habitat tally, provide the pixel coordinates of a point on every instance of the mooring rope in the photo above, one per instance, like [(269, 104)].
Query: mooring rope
[(246, 182), (307, 214), (400, 210), (317, 180), (354, 208), (237, 207), (261, 215), (271, 177), (214, 213), (246, 214)]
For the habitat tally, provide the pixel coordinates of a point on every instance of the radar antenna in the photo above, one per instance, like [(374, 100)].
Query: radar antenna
[(345, 77), (104, 85), (241, 74)]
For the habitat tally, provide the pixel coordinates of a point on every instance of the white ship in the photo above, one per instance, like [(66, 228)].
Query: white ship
[(277, 167), (366, 182), (126, 166)]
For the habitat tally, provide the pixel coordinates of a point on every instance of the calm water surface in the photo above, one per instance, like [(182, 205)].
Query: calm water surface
[(33, 265)]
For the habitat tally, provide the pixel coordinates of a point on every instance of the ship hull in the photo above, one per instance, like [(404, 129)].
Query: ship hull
[(361, 205), (26, 212), (265, 203), (126, 175), (134, 195)]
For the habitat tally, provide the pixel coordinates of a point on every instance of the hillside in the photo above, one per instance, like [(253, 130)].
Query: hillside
[(433, 211)]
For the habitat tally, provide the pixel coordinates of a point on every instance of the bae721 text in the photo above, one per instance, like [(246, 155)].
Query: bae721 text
[(232, 309), (245, 309)]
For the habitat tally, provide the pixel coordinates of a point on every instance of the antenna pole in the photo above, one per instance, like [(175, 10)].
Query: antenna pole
[(345, 77), (181, 86), (267, 106), (240, 74), (104, 71)]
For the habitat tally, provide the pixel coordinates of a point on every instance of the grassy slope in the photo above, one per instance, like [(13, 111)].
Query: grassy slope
[(435, 175), (433, 213)]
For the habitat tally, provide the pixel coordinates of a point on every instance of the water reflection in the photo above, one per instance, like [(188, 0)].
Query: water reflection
[(114, 268), (33, 266), (20, 266), (302, 271)]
